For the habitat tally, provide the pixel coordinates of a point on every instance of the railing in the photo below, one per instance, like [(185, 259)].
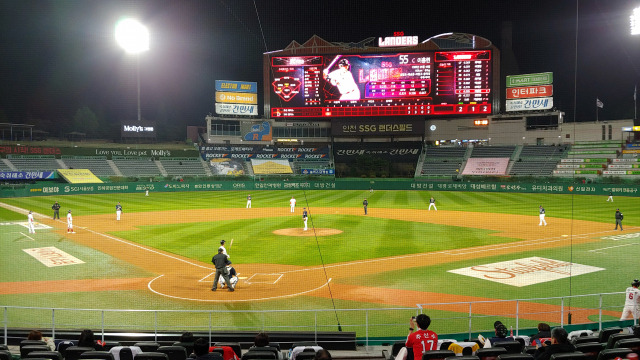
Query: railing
[(463, 318)]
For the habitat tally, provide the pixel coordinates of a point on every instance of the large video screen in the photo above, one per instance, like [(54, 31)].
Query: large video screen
[(390, 84)]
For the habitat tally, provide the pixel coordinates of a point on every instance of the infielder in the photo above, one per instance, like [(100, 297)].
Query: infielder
[(365, 204), (118, 210), (542, 220), (304, 218), (224, 250), (631, 302), (249, 201), (343, 79), (70, 223), (610, 198), (292, 203), (432, 202), (31, 223)]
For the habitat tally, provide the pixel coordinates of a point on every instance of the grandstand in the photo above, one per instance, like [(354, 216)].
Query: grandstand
[(493, 151), (441, 161), (137, 166), (98, 165), (537, 160), (184, 167), (34, 162)]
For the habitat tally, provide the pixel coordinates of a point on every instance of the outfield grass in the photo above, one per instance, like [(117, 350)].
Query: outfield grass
[(8, 215)]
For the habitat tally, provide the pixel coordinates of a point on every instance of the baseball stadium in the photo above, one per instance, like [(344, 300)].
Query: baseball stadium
[(364, 194)]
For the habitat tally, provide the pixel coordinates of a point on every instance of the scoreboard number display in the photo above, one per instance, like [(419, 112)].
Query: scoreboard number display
[(389, 84)]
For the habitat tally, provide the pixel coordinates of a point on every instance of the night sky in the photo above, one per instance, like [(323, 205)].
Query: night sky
[(60, 56)]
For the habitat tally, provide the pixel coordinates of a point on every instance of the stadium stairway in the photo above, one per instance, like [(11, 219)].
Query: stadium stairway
[(205, 166), (114, 168), (163, 171), (9, 164), (61, 163)]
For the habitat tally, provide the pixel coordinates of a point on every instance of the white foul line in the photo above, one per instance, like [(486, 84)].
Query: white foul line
[(610, 247), (32, 239)]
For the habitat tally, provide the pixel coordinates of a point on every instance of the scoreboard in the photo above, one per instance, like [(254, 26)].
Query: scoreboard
[(388, 84)]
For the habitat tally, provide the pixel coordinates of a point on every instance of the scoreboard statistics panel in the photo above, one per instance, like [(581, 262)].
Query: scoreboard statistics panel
[(390, 84)]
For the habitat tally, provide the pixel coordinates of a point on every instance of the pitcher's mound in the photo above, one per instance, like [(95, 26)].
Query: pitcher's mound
[(309, 232)]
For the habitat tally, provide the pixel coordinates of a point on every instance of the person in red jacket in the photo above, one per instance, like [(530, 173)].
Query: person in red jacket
[(421, 339)]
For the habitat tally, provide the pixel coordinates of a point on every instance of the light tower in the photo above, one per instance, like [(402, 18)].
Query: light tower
[(133, 37)]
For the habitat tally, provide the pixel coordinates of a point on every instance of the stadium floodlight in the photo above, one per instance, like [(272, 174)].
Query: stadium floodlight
[(635, 21), (133, 37)]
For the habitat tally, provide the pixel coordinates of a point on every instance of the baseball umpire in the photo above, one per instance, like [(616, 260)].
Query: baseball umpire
[(220, 261)]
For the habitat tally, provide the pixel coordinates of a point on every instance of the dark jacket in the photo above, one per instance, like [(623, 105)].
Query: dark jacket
[(220, 261), (545, 352), (540, 335), (619, 215)]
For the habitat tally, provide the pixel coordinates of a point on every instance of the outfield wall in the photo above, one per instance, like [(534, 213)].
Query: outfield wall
[(45, 188)]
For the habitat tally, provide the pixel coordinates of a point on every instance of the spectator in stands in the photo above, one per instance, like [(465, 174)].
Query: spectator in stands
[(422, 339), (323, 355), (559, 344), (501, 333), (37, 335), (201, 350), (187, 337), (261, 340), (544, 331), (88, 339)]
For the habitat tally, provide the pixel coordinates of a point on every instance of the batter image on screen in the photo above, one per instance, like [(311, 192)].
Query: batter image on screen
[(343, 80)]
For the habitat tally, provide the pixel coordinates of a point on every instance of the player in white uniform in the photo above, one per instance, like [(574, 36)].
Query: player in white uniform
[(224, 250), (70, 223), (118, 211), (292, 203), (146, 192), (249, 202), (432, 202), (31, 223), (632, 302), (542, 220), (343, 79)]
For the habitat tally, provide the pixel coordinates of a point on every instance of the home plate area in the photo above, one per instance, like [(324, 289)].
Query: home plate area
[(264, 279)]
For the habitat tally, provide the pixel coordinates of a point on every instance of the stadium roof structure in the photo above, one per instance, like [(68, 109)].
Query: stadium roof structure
[(317, 45)]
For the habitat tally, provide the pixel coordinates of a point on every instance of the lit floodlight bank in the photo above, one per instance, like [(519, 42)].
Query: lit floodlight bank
[(635, 21), (132, 36)]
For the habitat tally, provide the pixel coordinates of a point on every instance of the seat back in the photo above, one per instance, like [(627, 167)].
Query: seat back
[(590, 349), (263, 355), (631, 343), (124, 354), (267, 348), (52, 355), (149, 356), (234, 345), (395, 348), (515, 357), (608, 354), (5, 355), (463, 357), (102, 355), (603, 337), (615, 337), (529, 350), (490, 353), (32, 342), (512, 346), (436, 354), (569, 356), (586, 339), (303, 343), (174, 352), (74, 352), (26, 349), (445, 345), (108, 345), (187, 345), (308, 355), (147, 346)]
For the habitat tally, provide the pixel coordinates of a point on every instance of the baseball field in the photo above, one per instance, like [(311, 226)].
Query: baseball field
[(476, 247)]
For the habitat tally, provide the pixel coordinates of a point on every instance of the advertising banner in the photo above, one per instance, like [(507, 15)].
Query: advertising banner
[(318, 171), (27, 175), (529, 92), (79, 176), (138, 129), (263, 167), (530, 79), (220, 155), (237, 98), (405, 151), (341, 127), (259, 131), (486, 166), (236, 109), (236, 86), (231, 167), (544, 103)]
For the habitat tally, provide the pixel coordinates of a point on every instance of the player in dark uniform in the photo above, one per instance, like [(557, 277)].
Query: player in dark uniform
[(619, 218), (56, 211), (365, 203)]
